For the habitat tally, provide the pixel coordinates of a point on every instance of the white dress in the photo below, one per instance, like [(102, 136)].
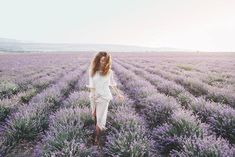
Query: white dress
[(103, 95)]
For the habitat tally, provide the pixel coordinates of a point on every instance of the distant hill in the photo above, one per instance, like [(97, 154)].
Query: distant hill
[(12, 45)]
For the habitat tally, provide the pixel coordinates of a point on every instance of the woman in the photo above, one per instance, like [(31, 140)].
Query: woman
[(100, 78)]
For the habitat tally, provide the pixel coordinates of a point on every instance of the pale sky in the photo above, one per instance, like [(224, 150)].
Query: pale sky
[(207, 25)]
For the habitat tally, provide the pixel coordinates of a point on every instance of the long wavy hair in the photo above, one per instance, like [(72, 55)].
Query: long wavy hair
[(95, 63)]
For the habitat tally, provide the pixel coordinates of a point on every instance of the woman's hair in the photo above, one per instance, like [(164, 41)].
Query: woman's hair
[(95, 63)]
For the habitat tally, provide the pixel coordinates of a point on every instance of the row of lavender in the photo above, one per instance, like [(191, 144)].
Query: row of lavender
[(206, 70), (215, 78), (32, 119), (10, 87), (21, 82), (14, 66), (71, 126), (193, 85), (221, 118), (128, 134), (70, 129), (35, 86), (211, 78), (83, 95), (203, 66), (199, 68), (176, 131)]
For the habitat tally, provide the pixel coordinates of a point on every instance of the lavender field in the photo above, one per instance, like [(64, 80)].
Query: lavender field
[(176, 104)]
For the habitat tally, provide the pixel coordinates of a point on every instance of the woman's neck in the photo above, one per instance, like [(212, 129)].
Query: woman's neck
[(100, 68)]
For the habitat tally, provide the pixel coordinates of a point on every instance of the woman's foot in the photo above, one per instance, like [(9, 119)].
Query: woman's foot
[(96, 141)]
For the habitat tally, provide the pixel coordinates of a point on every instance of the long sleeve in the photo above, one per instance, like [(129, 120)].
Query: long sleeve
[(112, 80), (91, 83)]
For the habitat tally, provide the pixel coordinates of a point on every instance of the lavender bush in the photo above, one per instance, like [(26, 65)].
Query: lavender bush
[(175, 105), (127, 135), (203, 147), (66, 136)]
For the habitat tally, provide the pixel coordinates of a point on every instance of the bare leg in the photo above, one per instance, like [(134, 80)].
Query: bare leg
[(94, 115), (96, 127), (97, 134)]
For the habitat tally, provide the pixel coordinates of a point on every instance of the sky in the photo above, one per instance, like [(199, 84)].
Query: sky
[(206, 25)]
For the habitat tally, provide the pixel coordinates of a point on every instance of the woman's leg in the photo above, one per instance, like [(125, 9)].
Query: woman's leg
[(101, 113), (97, 134), (96, 128), (93, 107), (94, 115)]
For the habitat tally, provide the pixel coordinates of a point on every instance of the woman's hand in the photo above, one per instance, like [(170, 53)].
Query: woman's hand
[(120, 97), (93, 98), (93, 94)]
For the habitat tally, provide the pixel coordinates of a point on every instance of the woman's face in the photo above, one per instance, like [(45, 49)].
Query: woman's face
[(102, 61)]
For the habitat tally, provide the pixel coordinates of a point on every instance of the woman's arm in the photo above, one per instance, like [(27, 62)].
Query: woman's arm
[(119, 95), (92, 90), (116, 90), (91, 86), (113, 84)]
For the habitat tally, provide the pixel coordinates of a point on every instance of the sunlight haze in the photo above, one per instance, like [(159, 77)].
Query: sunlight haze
[(206, 25)]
